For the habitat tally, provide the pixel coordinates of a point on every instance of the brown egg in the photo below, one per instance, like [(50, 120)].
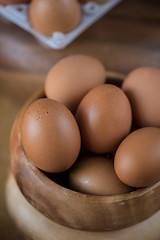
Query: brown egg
[(104, 117), (72, 77), (137, 160), (7, 2), (94, 174), (50, 135), (49, 16), (96, 1), (142, 86)]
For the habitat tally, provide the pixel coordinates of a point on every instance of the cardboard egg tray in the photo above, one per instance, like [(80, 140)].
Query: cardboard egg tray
[(91, 12)]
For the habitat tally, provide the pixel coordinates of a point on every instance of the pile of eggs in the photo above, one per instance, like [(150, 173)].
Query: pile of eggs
[(107, 138), (49, 16)]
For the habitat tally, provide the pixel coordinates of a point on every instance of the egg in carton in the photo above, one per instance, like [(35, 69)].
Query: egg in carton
[(86, 13)]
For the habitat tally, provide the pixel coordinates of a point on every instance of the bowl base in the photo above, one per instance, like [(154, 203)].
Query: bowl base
[(36, 226)]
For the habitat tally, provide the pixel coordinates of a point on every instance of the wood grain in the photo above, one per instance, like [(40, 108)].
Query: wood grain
[(34, 225), (74, 209), (127, 37), (19, 85)]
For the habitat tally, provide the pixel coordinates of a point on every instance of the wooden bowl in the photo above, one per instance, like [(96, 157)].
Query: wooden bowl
[(35, 225), (73, 209)]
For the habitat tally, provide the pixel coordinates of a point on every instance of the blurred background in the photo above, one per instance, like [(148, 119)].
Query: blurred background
[(125, 38)]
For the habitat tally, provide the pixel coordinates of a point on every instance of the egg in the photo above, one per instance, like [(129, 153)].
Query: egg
[(72, 77), (7, 2), (49, 16), (50, 135), (94, 174), (142, 86), (104, 116), (137, 159)]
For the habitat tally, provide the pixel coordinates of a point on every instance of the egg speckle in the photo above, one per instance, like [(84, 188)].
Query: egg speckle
[(50, 135)]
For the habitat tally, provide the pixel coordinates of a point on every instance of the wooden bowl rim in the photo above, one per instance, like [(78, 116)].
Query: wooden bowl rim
[(99, 198)]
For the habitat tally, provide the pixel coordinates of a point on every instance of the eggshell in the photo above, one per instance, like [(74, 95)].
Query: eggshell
[(72, 77), (94, 174), (7, 2), (142, 86), (104, 117), (137, 159), (50, 135), (49, 16)]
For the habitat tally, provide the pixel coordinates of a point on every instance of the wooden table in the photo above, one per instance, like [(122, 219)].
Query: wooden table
[(126, 38)]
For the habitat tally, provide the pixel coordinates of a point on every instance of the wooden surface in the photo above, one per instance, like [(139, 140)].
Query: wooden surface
[(126, 38), (36, 226)]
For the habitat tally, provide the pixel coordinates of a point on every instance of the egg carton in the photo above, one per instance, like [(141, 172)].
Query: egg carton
[(91, 12)]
